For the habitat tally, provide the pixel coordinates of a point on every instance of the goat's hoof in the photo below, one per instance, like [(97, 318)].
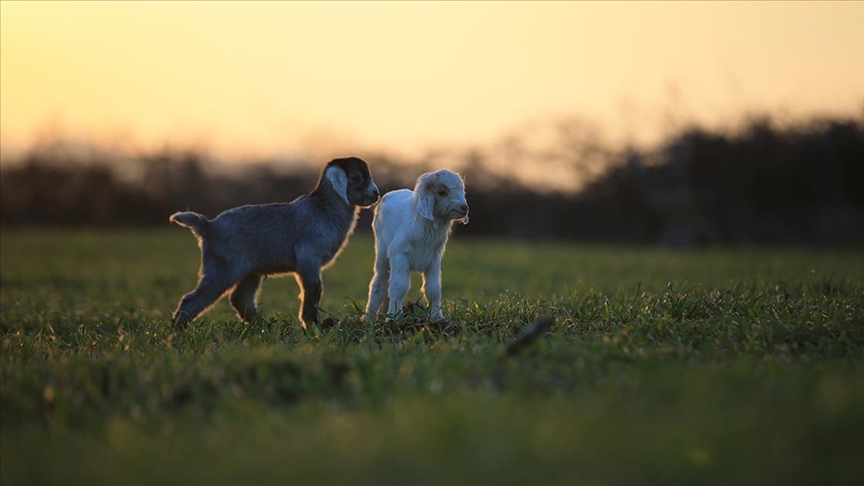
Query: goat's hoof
[(328, 323)]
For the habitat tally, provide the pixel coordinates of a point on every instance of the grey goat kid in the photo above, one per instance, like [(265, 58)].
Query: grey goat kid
[(242, 245)]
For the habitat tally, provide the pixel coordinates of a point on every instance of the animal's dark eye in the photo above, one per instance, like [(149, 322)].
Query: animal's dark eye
[(442, 192), (355, 179)]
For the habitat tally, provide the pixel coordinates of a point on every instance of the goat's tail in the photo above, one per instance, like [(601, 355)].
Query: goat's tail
[(194, 221)]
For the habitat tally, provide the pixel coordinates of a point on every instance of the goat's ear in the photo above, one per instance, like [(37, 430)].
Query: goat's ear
[(339, 181), (425, 204), (425, 198)]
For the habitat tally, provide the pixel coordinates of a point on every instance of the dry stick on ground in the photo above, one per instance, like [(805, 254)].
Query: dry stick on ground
[(525, 338), (528, 335)]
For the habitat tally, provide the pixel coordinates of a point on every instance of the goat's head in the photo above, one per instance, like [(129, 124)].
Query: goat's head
[(441, 195), (351, 180)]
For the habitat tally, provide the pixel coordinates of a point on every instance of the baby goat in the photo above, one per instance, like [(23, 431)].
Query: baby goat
[(242, 245), (411, 229)]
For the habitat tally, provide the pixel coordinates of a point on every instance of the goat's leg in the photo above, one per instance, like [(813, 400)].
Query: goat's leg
[(244, 296), (400, 282), (311, 290), (432, 289), (208, 291), (378, 286)]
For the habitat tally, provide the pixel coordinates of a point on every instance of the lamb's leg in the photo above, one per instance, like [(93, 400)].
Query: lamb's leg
[(244, 296), (311, 290), (210, 288), (432, 289), (378, 286), (400, 282)]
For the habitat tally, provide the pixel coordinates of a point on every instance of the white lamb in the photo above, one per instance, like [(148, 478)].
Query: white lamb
[(411, 229)]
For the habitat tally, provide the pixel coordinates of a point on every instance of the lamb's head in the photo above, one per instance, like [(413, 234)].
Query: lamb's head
[(441, 195), (351, 180)]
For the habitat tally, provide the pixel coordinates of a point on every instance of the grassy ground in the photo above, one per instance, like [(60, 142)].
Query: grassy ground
[(734, 366)]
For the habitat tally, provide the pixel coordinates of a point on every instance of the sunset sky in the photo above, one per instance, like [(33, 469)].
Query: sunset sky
[(281, 77)]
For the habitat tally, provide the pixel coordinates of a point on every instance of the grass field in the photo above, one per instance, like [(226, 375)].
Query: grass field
[(730, 366)]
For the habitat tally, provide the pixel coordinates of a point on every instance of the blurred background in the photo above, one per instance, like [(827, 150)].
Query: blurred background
[(682, 124)]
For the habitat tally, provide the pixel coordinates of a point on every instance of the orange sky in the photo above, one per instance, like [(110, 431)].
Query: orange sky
[(281, 77)]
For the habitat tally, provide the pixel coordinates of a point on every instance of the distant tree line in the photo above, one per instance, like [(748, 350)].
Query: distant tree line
[(801, 184)]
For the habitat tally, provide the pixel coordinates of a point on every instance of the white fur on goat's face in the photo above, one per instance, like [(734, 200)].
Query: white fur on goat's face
[(337, 178), (441, 195)]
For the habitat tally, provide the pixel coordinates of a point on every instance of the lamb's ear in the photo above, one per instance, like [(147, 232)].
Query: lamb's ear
[(339, 181), (425, 198)]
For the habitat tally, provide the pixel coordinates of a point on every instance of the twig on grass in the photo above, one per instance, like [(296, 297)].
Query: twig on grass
[(528, 335)]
